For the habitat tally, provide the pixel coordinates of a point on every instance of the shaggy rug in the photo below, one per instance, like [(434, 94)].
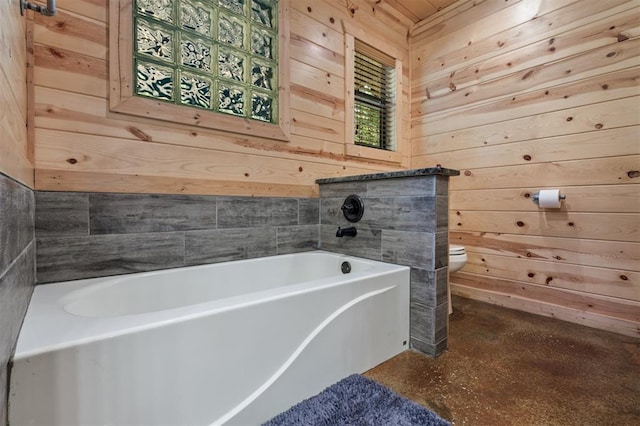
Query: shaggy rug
[(357, 400)]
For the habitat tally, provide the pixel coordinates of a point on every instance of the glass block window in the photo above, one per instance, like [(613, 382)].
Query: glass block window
[(218, 55)]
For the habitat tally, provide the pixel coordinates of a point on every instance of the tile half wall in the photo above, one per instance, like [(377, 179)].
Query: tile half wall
[(85, 235)]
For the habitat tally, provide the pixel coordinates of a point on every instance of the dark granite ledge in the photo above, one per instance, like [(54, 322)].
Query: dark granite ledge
[(431, 171)]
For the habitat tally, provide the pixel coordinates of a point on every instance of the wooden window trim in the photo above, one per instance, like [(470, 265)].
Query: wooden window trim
[(359, 151), (121, 81)]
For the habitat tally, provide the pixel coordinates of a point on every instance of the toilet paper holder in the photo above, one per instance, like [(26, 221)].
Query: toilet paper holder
[(535, 197)]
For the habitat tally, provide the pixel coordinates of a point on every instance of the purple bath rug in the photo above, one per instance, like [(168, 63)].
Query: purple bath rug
[(357, 400)]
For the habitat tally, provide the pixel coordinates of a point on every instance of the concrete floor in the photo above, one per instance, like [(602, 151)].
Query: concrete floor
[(505, 367)]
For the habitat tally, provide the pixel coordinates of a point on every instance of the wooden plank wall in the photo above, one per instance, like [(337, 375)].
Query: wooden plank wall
[(81, 146), (526, 95), (15, 154)]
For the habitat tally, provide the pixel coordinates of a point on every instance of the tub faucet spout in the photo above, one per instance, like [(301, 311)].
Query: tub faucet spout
[(348, 232)]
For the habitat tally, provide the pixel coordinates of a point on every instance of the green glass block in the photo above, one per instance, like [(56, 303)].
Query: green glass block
[(261, 107), (231, 100), (261, 43), (195, 17), (262, 75), (154, 81), (209, 46), (263, 12), (231, 31), (159, 9), (195, 91), (154, 41), (230, 65), (195, 53), (236, 6)]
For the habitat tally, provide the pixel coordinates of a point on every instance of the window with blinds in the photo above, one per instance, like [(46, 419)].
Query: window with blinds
[(374, 106)]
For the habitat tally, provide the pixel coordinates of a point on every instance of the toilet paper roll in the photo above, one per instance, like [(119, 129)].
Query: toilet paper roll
[(549, 199)]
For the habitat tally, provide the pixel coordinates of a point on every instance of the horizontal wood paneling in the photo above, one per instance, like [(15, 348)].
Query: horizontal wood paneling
[(499, 292), (89, 153), (15, 152), (612, 254), (522, 99), (614, 85), (600, 305), (599, 226), (74, 31), (571, 69), (79, 143), (59, 180), (588, 118), (60, 110), (590, 199), (596, 171), (552, 18), (604, 281), (606, 143)]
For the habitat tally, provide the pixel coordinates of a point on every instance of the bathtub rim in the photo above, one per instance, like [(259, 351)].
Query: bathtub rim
[(48, 327)]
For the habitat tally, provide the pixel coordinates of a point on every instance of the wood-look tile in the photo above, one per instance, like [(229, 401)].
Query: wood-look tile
[(402, 213), (224, 245), (330, 212), (441, 322), (308, 211), (442, 185), (414, 186), (17, 211), (343, 189), (251, 212), (431, 349), (399, 213), (367, 242), (422, 322), (415, 249), (428, 287), (404, 186), (16, 286), (141, 213), (70, 258), (429, 324), (61, 214), (295, 239), (441, 250), (441, 214)]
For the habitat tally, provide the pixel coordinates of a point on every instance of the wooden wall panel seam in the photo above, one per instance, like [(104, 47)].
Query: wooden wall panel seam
[(592, 117), (547, 77), (615, 85)]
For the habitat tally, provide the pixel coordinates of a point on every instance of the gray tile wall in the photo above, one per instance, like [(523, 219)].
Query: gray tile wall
[(17, 271), (83, 235), (405, 222)]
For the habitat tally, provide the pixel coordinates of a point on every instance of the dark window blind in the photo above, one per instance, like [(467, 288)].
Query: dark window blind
[(374, 109)]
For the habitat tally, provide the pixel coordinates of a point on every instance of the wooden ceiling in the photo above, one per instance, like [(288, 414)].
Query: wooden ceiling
[(417, 10)]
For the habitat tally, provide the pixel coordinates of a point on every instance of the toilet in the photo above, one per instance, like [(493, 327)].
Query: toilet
[(457, 260)]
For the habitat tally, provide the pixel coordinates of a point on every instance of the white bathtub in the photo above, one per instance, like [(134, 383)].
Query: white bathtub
[(234, 342)]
